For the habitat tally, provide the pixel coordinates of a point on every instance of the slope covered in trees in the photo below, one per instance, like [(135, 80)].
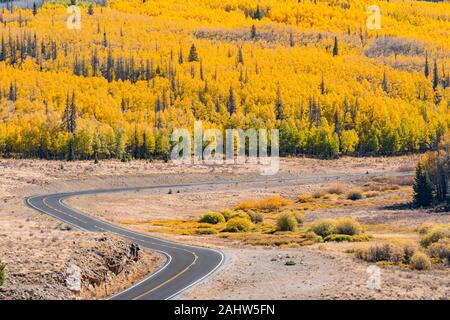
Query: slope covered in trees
[(138, 69)]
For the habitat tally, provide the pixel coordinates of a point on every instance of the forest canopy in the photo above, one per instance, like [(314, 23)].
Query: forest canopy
[(136, 70)]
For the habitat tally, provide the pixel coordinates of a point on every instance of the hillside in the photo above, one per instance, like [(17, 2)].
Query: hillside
[(136, 70)]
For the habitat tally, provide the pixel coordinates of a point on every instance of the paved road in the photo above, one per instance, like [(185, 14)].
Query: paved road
[(185, 265)]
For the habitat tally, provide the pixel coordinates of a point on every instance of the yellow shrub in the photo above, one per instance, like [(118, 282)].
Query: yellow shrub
[(238, 225), (348, 226), (420, 261)]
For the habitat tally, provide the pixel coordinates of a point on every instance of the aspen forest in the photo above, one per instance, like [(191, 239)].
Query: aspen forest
[(138, 69)]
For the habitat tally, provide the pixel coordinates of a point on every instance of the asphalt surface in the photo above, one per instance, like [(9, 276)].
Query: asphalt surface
[(184, 266)]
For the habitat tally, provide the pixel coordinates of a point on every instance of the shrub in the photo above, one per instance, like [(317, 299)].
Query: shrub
[(227, 214), (395, 253), (318, 194), (238, 225), (255, 217), (271, 203), (212, 218), (380, 252), (338, 238), (2, 274), (409, 250), (348, 226), (323, 228), (433, 236), (420, 261), (299, 216), (290, 263), (426, 227), (354, 195), (371, 194), (206, 231), (286, 222), (336, 189), (440, 250), (304, 199)]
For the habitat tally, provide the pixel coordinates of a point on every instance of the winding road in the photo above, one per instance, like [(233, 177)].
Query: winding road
[(184, 266)]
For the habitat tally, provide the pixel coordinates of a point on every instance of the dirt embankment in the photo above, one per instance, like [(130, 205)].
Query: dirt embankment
[(64, 264)]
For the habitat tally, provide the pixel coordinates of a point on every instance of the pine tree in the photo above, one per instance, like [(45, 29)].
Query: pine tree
[(384, 83), (73, 115), (258, 14), (91, 11), (435, 76), (231, 102), (427, 67), (279, 105), (3, 50), (335, 47), (34, 9), (193, 55), (322, 86), (423, 189), (240, 56)]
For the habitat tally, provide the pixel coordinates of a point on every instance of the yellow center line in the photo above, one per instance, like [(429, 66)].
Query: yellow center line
[(145, 241), (168, 280)]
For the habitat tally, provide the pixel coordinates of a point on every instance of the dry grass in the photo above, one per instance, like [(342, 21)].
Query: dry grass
[(271, 203), (337, 188)]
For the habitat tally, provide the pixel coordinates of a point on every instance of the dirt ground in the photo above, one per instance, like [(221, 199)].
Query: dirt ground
[(322, 271)]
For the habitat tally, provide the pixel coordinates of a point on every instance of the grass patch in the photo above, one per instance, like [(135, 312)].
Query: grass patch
[(206, 231), (271, 203), (346, 238)]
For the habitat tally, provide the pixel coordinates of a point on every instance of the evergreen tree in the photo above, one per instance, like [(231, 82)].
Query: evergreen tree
[(91, 11), (240, 56), (423, 189), (427, 67), (231, 102), (335, 47), (193, 55), (279, 105), (322, 86), (34, 9), (384, 83), (435, 76), (258, 13)]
